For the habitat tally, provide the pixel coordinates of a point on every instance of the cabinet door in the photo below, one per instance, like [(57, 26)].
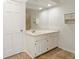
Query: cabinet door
[(52, 41), (41, 47)]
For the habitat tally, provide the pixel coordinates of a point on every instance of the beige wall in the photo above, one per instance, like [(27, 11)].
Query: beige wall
[(67, 40)]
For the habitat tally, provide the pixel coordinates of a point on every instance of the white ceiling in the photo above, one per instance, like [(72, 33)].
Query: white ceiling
[(36, 4), (20, 1)]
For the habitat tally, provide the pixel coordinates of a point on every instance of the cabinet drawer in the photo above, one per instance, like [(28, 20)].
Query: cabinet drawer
[(41, 37)]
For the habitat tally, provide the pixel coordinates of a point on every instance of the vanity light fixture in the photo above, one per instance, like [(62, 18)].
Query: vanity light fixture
[(49, 5), (40, 8)]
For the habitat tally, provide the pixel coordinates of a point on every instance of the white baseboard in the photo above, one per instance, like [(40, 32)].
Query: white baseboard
[(7, 55), (28, 54), (17, 53), (68, 50)]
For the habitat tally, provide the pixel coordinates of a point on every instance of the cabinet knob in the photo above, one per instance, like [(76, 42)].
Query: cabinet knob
[(36, 41), (47, 48), (35, 54), (35, 44), (47, 40)]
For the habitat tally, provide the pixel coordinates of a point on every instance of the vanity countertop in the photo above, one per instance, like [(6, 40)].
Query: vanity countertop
[(39, 32)]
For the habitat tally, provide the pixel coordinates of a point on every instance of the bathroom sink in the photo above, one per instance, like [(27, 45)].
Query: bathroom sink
[(33, 31)]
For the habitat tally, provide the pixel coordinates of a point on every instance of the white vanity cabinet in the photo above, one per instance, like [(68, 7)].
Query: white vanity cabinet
[(42, 43)]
